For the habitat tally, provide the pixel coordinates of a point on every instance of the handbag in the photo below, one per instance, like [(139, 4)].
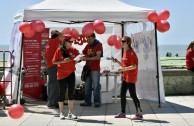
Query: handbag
[(86, 69), (85, 72)]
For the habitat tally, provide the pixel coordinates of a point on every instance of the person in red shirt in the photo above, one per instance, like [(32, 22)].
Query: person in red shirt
[(64, 58), (129, 69), (93, 52), (52, 87), (190, 57)]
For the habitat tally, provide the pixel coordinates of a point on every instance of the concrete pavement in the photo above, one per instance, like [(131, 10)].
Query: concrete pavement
[(177, 111)]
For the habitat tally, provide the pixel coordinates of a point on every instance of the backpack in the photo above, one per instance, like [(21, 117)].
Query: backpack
[(79, 92)]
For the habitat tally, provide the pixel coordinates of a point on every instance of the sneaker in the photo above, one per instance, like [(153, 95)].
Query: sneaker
[(49, 105), (137, 117), (97, 105), (71, 116), (121, 115), (62, 116)]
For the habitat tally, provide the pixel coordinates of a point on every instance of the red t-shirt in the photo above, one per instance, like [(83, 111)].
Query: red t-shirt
[(49, 51), (89, 51), (130, 58), (189, 61), (65, 69)]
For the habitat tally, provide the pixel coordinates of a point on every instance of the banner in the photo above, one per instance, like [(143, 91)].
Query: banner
[(32, 58)]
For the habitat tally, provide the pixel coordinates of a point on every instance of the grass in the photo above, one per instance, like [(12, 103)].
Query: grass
[(175, 62), (1, 65)]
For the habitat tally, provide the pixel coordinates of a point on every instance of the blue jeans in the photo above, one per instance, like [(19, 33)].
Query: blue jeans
[(52, 87), (93, 79)]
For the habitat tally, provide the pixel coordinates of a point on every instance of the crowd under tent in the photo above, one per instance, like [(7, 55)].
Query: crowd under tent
[(119, 18)]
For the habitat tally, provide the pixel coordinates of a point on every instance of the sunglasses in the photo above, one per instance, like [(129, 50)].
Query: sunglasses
[(123, 41)]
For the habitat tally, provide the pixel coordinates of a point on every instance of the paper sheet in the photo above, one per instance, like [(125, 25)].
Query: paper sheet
[(77, 58)]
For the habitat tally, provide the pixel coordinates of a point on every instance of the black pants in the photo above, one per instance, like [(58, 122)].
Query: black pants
[(64, 84), (132, 90)]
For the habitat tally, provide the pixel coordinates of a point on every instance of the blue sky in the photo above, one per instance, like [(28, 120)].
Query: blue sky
[(181, 18)]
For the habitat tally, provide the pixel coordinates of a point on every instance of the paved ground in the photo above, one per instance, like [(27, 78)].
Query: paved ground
[(177, 111)]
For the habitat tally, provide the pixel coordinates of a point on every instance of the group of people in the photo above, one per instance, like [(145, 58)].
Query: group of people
[(60, 54), (169, 54)]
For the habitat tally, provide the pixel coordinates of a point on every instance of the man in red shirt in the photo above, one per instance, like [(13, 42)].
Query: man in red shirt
[(93, 52), (50, 48)]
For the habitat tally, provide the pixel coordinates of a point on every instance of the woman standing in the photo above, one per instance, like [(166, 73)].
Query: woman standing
[(129, 69), (65, 74), (190, 57)]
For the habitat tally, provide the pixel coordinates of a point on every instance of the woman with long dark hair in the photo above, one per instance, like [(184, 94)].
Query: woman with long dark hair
[(129, 69), (65, 75)]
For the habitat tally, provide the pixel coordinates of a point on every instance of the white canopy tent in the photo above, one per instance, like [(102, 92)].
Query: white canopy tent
[(83, 10), (111, 11)]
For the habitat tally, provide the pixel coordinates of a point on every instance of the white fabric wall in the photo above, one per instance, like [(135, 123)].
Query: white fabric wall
[(143, 37)]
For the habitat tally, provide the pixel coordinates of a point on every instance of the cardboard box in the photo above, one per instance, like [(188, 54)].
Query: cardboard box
[(106, 97)]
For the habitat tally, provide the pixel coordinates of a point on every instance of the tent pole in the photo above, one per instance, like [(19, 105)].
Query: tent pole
[(157, 65), (122, 34), (19, 72)]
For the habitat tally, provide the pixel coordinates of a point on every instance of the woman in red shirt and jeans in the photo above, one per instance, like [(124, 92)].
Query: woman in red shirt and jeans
[(129, 69)]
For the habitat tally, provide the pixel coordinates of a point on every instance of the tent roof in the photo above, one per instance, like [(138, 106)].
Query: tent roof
[(83, 10)]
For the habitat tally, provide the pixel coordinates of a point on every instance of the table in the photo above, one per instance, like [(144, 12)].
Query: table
[(107, 74)]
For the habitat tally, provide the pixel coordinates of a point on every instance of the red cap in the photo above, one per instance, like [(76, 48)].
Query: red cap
[(68, 38)]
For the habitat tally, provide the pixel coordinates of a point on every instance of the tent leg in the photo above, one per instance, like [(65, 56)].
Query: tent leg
[(157, 66), (19, 74)]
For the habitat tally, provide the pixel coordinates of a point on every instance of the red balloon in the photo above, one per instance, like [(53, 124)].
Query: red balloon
[(24, 27), (29, 34), (66, 30), (74, 33), (37, 26), (112, 40), (40, 26), (163, 26), (2, 89), (152, 16), (33, 25), (16, 111), (118, 44), (88, 29), (99, 26), (164, 15)]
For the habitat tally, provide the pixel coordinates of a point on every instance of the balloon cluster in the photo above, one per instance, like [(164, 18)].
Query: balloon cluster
[(115, 40), (97, 26), (79, 39), (160, 19), (29, 29), (87, 30), (73, 32)]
